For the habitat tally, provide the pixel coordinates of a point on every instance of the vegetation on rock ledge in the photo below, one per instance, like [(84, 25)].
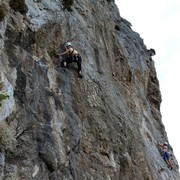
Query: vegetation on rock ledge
[(3, 97)]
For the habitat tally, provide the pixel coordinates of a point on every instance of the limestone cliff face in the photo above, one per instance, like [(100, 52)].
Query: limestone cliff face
[(104, 126)]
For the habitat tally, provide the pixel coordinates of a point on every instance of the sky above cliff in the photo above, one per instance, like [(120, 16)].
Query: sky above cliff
[(158, 24)]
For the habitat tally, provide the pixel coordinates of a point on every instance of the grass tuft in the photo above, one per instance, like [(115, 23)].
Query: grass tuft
[(3, 97)]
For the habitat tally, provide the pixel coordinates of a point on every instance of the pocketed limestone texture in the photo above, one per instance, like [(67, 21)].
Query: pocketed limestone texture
[(104, 126)]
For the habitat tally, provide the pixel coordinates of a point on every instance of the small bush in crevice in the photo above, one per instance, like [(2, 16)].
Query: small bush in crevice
[(67, 4), (117, 27), (3, 97), (19, 6), (7, 138), (3, 11)]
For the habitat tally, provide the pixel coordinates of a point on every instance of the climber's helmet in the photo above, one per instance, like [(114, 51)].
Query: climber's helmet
[(68, 44), (165, 143)]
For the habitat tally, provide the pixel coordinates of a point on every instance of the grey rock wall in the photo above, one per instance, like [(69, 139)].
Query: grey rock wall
[(104, 126)]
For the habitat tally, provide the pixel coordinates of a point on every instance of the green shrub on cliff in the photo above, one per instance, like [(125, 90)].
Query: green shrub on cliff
[(3, 11), (67, 4), (19, 6), (3, 97)]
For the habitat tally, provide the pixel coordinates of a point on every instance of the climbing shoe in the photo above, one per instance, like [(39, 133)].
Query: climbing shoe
[(80, 74), (170, 167)]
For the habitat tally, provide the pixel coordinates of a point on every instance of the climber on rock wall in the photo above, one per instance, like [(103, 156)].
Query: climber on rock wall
[(166, 154), (71, 56), (151, 52)]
